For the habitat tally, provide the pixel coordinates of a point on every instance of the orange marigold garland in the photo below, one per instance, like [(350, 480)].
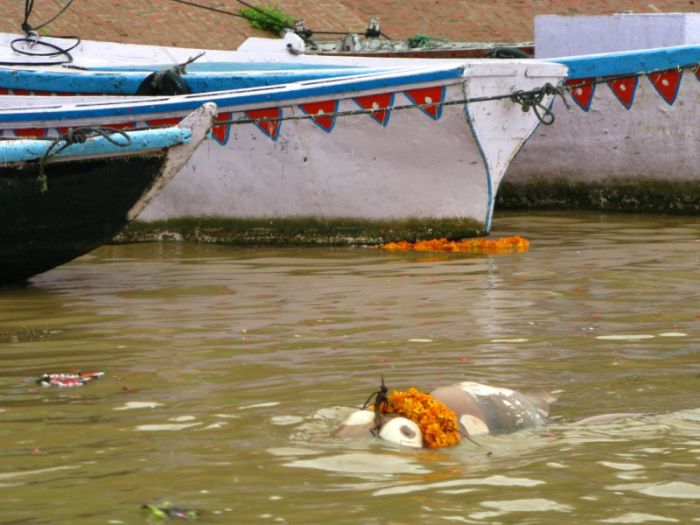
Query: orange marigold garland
[(437, 422), (501, 245)]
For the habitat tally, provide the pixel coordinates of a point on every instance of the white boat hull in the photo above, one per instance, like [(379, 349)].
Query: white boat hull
[(414, 167)]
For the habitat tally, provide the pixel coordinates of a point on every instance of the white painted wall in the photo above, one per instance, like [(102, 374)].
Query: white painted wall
[(557, 36)]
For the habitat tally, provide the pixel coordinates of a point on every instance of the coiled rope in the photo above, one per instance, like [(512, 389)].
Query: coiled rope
[(533, 100), (32, 39)]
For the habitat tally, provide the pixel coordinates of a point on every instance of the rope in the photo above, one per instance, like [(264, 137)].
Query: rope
[(76, 136), (32, 39), (535, 94), (533, 100), (307, 36), (29, 5), (419, 40), (208, 8), (380, 400), (605, 80), (518, 97)]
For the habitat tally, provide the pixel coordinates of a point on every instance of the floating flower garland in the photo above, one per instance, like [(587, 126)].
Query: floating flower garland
[(502, 245), (437, 422)]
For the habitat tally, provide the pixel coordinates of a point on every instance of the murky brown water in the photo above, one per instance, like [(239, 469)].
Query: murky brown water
[(226, 368)]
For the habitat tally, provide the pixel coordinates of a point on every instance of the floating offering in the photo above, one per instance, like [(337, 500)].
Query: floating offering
[(166, 510), (502, 245), (438, 424), (68, 380)]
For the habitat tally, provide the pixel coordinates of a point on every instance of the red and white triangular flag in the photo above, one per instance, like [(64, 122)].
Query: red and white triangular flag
[(271, 128), (432, 96), (221, 132), (624, 89), (379, 104), (319, 111), (667, 83), (582, 90)]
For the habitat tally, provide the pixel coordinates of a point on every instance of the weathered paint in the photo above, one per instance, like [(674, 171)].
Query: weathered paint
[(87, 202), (627, 143), (12, 151), (298, 231), (630, 62), (85, 206), (258, 98), (385, 165), (43, 81)]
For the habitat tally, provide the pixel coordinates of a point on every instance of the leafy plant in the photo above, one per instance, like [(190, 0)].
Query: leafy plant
[(267, 18)]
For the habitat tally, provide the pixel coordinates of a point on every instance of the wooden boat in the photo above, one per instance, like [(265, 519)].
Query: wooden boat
[(258, 54), (373, 43), (643, 144), (418, 47), (104, 68), (62, 198), (364, 158)]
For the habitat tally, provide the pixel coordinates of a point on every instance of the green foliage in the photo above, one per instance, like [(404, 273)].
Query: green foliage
[(268, 18)]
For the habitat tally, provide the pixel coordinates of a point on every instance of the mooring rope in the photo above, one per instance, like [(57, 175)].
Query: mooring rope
[(307, 33), (527, 99), (605, 80), (530, 99), (76, 136), (29, 5), (32, 39), (209, 8), (533, 100)]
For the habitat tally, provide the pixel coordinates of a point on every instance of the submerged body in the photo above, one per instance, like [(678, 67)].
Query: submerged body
[(483, 409), (479, 409)]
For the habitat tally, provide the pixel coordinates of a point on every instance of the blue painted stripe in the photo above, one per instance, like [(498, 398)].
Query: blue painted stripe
[(127, 83), (55, 82), (240, 100), (487, 171), (629, 62), (153, 139), (201, 83)]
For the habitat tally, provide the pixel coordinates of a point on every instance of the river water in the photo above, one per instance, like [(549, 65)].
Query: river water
[(227, 368)]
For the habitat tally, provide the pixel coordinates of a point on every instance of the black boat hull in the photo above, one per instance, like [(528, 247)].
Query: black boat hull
[(87, 203)]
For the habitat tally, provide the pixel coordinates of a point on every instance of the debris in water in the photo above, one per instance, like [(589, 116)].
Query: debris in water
[(68, 380), (167, 510), (502, 245)]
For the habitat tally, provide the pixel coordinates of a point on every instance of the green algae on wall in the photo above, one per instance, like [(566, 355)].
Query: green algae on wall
[(299, 231), (617, 195)]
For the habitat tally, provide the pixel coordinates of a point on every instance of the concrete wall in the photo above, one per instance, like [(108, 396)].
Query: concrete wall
[(557, 36)]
